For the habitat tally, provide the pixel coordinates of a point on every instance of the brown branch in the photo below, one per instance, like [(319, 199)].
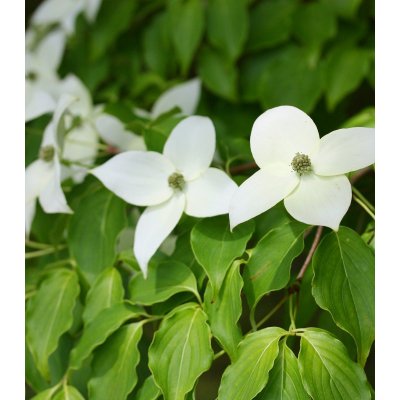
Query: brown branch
[(310, 254), (242, 168), (360, 174)]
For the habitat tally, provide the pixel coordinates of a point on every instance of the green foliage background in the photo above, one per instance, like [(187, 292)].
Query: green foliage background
[(250, 55)]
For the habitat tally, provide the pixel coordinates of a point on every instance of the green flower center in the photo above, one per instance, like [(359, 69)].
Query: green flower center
[(301, 164), (46, 153), (31, 76), (176, 181)]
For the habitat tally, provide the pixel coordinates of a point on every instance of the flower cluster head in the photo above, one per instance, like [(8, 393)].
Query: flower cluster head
[(179, 180), (300, 168), (43, 177)]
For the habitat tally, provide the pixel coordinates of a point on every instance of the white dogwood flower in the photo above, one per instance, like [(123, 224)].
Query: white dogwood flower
[(41, 79), (43, 176), (299, 167), (86, 124), (185, 95), (177, 181), (64, 13)]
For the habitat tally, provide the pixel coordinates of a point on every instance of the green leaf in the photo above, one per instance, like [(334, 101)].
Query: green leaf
[(248, 374), (68, 393), (227, 25), (98, 219), (157, 133), (114, 17), (345, 69), (224, 311), (270, 24), (218, 74), (97, 331), (268, 268), (114, 364), (106, 291), (215, 246), (49, 315), (343, 284), (181, 351), (149, 390), (32, 375), (314, 24), (157, 43), (284, 381), (46, 394), (163, 281), (186, 18), (272, 218), (365, 118), (250, 75), (293, 77), (327, 370), (344, 8)]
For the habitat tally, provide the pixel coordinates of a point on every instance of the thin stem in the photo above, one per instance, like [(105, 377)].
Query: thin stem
[(66, 261), (44, 252), (313, 247), (30, 294), (292, 314), (362, 197), (219, 354), (37, 245), (253, 320), (272, 312), (364, 206)]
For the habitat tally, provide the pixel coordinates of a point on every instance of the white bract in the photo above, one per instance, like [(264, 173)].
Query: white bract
[(177, 181), (299, 167), (64, 13), (86, 124), (43, 176), (41, 79), (185, 96)]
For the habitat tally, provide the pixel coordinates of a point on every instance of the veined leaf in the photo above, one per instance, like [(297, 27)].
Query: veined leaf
[(327, 370), (284, 381), (46, 394), (114, 364), (270, 23), (343, 284), (314, 24), (68, 393), (106, 291), (96, 222), (292, 76), (268, 268), (345, 69), (186, 26), (224, 311), (228, 24), (49, 315), (97, 331), (248, 374), (215, 246), (218, 73), (181, 351), (149, 390), (113, 19), (163, 281)]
